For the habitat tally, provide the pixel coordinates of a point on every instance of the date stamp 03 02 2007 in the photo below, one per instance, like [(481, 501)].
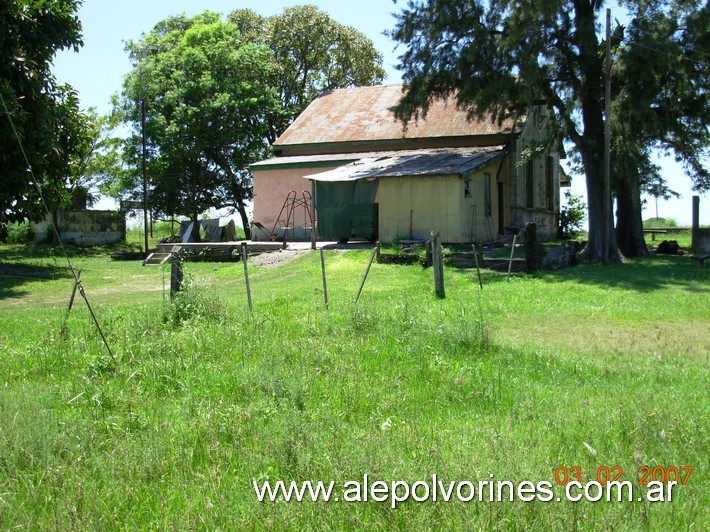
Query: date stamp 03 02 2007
[(646, 474)]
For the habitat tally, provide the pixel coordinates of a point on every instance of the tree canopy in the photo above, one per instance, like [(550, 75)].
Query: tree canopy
[(660, 104), (217, 93), (313, 54), (498, 55), (206, 92), (52, 130)]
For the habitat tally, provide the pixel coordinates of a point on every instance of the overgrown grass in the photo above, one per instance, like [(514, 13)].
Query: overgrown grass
[(203, 397)]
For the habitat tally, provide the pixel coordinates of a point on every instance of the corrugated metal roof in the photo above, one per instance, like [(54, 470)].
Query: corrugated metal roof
[(462, 161), (363, 114), (306, 160)]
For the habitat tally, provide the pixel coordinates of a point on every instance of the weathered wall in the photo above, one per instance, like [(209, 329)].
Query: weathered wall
[(86, 227), (542, 212), (476, 225), (271, 187), (440, 203), (460, 218), (427, 203)]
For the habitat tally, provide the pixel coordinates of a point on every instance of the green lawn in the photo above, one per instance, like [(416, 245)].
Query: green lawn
[(592, 366)]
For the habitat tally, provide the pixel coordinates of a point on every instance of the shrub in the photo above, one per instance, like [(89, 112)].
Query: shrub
[(572, 216), (195, 301), (19, 233), (653, 223)]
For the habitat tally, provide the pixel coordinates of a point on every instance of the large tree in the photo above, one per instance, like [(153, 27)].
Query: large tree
[(218, 93), (497, 55), (95, 168), (205, 91), (45, 114), (313, 54), (660, 81)]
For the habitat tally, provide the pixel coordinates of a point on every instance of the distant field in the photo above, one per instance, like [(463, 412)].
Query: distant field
[(595, 367)]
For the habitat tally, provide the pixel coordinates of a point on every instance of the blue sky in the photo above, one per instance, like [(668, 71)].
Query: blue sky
[(97, 70)]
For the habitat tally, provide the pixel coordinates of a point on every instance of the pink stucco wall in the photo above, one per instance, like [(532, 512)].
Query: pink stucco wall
[(271, 187)]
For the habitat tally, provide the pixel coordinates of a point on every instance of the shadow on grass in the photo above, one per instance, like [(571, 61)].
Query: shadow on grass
[(15, 275), (21, 265), (640, 274)]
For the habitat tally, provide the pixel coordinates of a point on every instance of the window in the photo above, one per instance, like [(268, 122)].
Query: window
[(487, 195), (529, 184), (467, 188)]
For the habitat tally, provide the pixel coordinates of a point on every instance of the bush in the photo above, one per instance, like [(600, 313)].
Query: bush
[(19, 233), (653, 223), (165, 228), (195, 301), (572, 216)]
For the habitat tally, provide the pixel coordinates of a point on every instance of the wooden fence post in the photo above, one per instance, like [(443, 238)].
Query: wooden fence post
[(364, 277), (438, 260), (77, 280), (695, 229), (512, 253), (533, 250), (478, 267), (246, 274), (428, 260), (176, 275), (325, 285)]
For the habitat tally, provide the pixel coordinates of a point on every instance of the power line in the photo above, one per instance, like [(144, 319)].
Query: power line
[(700, 62), (77, 279)]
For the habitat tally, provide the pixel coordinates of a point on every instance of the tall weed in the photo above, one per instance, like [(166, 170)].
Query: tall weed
[(196, 301)]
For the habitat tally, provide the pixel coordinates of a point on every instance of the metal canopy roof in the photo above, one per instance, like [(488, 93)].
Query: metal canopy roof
[(461, 161), (309, 160)]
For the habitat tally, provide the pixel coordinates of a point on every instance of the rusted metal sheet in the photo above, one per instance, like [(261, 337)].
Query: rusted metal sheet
[(364, 114), (460, 161), (306, 160)]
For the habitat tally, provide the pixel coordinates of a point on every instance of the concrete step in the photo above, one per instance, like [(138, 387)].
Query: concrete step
[(156, 259)]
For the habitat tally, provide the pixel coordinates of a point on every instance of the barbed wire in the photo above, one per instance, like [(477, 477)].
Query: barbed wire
[(77, 279)]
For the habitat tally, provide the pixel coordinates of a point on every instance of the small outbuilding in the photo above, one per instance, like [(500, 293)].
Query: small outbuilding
[(84, 227), (347, 168)]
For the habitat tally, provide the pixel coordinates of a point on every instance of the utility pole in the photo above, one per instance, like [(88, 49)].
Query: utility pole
[(140, 56), (143, 167), (607, 143)]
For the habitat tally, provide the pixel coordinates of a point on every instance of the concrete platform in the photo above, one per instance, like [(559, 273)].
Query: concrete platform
[(257, 247)]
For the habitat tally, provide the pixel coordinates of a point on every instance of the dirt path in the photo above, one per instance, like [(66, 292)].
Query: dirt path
[(275, 258)]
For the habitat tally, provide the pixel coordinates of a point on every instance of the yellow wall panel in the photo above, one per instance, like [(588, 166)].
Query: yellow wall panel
[(412, 207)]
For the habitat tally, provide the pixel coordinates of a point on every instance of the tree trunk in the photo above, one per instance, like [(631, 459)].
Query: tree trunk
[(592, 154), (629, 223), (245, 219), (195, 227), (595, 213), (591, 142)]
